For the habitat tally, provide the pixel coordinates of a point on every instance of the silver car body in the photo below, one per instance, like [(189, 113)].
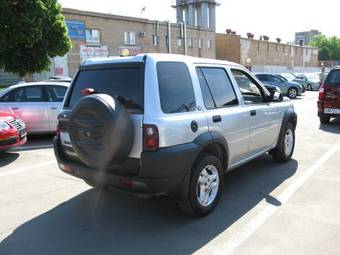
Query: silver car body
[(310, 79), (40, 116), (247, 136)]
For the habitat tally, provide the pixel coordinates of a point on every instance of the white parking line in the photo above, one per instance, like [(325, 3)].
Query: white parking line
[(27, 168), (241, 236), (33, 147)]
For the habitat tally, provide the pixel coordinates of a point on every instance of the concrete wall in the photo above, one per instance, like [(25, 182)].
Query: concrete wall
[(265, 55), (112, 29)]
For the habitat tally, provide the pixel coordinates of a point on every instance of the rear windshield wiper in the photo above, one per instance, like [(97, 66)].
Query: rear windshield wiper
[(128, 103)]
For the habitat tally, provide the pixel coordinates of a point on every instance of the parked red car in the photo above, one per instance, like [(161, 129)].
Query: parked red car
[(12, 131), (329, 97)]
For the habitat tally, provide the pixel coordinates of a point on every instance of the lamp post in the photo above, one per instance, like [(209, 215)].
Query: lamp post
[(322, 71)]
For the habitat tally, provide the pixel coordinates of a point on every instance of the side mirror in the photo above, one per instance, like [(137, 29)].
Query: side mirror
[(276, 96)]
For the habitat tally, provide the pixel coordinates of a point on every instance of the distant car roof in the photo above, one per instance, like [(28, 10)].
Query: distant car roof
[(45, 83)]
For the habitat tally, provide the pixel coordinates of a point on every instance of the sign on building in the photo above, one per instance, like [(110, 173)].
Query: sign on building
[(61, 66), (87, 52), (129, 51), (76, 29)]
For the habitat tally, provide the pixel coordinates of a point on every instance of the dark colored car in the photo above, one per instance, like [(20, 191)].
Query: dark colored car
[(12, 131), (329, 97), (290, 89)]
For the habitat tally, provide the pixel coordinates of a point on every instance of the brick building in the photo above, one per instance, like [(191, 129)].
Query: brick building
[(266, 56), (102, 35)]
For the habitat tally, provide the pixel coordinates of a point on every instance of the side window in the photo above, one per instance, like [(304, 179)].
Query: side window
[(250, 90), (262, 77), (206, 93), (216, 87), (56, 93), (176, 90), (33, 94), (273, 78)]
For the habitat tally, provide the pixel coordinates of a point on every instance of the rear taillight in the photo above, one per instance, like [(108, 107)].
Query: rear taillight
[(322, 92), (88, 92), (150, 137)]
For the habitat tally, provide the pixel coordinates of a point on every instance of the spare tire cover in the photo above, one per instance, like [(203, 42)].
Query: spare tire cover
[(101, 131)]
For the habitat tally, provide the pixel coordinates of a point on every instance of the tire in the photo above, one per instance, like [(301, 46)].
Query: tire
[(325, 119), (286, 144), (195, 204), (309, 87), (101, 131), (292, 93)]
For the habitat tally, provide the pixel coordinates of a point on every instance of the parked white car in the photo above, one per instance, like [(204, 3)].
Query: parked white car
[(37, 104)]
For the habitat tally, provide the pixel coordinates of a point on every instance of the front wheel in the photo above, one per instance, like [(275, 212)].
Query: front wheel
[(285, 147), (309, 87), (292, 93), (205, 187)]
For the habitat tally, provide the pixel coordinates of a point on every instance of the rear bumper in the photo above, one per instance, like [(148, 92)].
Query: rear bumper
[(160, 172), (322, 105)]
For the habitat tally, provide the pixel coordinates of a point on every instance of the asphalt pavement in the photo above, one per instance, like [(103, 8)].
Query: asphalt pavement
[(266, 208)]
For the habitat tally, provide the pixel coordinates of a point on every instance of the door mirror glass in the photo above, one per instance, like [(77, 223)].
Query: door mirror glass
[(276, 96)]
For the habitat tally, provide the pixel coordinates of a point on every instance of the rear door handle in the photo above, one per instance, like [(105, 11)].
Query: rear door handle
[(15, 108), (54, 108), (217, 118), (252, 112)]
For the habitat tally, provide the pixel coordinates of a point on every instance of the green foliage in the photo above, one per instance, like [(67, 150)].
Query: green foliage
[(31, 32), (329, 47)]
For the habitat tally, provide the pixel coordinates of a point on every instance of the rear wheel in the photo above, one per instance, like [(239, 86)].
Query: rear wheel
[(205, 187), (285, 147), (292, 93), (325, 119)]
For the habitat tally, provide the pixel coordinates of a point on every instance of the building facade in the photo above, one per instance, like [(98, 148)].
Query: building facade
[(102, 35), (266, 56), (304, 38)]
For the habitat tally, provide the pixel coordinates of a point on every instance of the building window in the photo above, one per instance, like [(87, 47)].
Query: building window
[(92, 36), (209, 44), (196, 18), (130, 38), (154, 40), (167, 40), (190, 42), (179, 42), (200, 43)]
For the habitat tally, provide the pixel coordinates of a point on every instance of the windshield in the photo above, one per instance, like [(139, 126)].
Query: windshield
[(333, 78), (125, 84), (288, 76), (313, 77)]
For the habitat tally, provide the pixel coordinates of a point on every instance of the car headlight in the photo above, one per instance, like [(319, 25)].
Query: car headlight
[(3, 125)]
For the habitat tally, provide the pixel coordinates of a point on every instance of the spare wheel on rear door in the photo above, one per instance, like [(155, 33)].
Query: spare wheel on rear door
[(101, 131)]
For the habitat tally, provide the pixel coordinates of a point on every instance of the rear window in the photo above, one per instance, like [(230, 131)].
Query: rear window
[(175, 87), (125, 84), (333, 78)]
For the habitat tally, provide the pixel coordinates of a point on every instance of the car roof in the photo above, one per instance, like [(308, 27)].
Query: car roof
[(45, 83), (156, 57)]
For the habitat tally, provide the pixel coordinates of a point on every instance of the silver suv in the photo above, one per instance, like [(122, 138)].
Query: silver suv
[(169, 124)]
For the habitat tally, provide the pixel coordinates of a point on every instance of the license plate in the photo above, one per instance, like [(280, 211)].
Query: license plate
[(65, 139), (332, 111)]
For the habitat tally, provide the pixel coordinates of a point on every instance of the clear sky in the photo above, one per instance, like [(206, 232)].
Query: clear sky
[(275, 18)]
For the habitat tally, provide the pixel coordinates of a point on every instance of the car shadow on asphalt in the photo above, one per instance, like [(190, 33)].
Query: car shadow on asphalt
[(332, 127), (113, 222), (7, 158), (36, 142)]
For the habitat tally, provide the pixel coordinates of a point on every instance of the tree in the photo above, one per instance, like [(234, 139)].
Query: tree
[(329, 47), (31, 32)]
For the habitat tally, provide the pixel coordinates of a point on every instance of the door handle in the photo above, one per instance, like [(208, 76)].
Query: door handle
[(53, 108), (252, 112), (15, 108), (217, 118)]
